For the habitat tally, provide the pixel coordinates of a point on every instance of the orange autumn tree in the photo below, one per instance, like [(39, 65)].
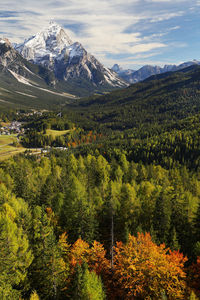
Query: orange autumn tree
[(97, 260), (79, 252), (94, 256), (143, 270)]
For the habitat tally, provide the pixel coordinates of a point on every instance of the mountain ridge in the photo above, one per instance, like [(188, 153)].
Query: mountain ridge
[(134, 76), (171, 96)]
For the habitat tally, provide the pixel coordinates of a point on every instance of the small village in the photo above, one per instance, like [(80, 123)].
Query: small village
[(14, 127), (11, 133)]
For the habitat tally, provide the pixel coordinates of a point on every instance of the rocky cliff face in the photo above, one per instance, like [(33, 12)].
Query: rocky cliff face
[(11, 62), (8, 54)]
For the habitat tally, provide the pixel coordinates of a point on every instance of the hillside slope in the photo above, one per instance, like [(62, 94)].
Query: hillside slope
[(160, 98)]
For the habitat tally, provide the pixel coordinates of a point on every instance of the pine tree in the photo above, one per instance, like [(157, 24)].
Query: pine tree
[(193, 296), (127, 211), (79, 213), (16, 256), (162, 217), (87, 285), (173, 240), (92, 288), (48, 270)]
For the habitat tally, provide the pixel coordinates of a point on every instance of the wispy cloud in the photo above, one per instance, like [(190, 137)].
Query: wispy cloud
[(166, 16)]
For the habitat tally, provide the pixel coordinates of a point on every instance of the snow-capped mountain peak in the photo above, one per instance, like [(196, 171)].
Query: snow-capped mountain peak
[(55, 30), (53, 49), (48, 42)]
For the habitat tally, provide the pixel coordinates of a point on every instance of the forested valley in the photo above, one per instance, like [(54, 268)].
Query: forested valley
[(116, 215)]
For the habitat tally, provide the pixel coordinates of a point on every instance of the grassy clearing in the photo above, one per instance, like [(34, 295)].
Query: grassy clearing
[(7, 139), (6, 148), (56, 133), (8, 151), (4, 123)]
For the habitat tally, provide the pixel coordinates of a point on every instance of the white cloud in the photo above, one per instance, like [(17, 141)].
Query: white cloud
[(146, 47), (174, 28), (166, 16)]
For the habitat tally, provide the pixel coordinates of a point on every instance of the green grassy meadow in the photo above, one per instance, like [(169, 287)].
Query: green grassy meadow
[(55, 133), (6, 146)]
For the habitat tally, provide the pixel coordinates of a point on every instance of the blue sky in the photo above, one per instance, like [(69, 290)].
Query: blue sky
[(131, 33)]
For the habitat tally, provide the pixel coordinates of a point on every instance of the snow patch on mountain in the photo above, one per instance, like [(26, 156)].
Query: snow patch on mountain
[(20, 78), (24, 80), (24, 94), (75, 50), (111, 78), (59, 94)]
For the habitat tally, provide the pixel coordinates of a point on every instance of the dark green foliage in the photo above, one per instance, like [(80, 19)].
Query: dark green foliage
[(162, 216)]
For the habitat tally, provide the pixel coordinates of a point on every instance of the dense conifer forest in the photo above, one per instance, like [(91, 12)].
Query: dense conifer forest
[(116, 215)]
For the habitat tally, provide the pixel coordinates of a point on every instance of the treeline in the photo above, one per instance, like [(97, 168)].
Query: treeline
[(93, 200)]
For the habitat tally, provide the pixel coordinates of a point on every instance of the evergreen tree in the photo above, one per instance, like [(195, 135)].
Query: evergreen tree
[(79, 214), (173, 239), (48, 270), (16, 256), (87, 285), (162, 217)]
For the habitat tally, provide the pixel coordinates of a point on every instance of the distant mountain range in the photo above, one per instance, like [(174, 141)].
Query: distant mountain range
[(133, 76)]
